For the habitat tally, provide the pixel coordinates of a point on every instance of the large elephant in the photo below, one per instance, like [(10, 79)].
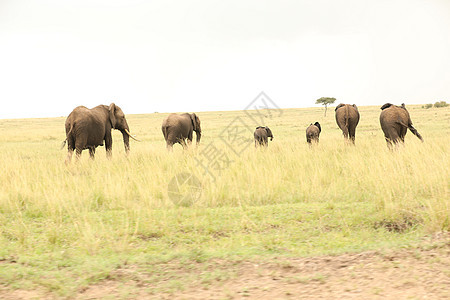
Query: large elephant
[(89, 128), (313, 132), (177, 128), (261, 135), (347, 118), (395, 121)]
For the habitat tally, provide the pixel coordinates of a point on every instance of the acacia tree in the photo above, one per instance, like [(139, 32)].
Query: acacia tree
[(325, 101)]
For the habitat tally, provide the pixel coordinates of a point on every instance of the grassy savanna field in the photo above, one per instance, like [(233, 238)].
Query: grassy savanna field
[(65, 228)]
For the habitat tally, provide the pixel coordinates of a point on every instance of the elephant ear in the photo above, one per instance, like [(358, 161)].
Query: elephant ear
[(269, 133), (112, 114), (318, 126), (339, 106), (386, 106), (195, 122)]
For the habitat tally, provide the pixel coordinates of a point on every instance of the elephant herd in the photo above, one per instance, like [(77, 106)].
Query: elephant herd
[(90, 128), (394, 120), (347, 118)]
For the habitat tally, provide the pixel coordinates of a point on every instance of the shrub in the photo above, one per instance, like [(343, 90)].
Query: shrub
[(427, 106), (441, 104)]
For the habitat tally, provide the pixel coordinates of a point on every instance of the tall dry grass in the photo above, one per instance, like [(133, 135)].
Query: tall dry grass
[(103, 201)]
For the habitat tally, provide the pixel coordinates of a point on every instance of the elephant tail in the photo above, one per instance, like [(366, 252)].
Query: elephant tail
[(67, 137), (411, 128), (415, 132), (346, 117), (165, 130)]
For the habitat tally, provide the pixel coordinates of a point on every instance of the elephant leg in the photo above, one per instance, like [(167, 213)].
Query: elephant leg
[(169, 146), (70, 148), (78, 153), (189, 138), (183, 143), (79, 146), (392, 138), (69, 156), (402, 134), (352, 134), (389, 143), (108, 145), (92, 153), (108, 153), (346, 134)]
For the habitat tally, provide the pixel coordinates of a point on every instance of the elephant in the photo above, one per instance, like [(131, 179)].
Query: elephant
[(347, 118), (313, 132), (177, 128), (261, 134), (395, 121), (89, 128)]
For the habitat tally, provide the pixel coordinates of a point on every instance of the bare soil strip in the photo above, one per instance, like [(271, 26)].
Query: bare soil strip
[(414, 273)]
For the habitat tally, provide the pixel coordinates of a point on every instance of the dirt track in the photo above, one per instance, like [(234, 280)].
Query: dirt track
[(416, 273), (421, 273)]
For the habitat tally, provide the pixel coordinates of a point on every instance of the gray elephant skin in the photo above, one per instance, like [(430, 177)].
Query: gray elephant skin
[(261, 135), (395, 121), (89, 128), (347, 118), (313, 132), (177, 128)]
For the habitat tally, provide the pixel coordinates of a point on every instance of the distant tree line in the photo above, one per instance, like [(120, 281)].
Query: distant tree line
[(437, 104)]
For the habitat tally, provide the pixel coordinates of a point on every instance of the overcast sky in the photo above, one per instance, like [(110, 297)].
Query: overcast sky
[(168, 56)]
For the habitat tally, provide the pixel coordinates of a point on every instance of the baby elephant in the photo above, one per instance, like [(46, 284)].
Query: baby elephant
[(313, 132), (261, 134)]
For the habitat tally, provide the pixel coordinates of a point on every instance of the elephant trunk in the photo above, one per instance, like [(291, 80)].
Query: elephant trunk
[(199, 135), (126, 137), (126, 141)]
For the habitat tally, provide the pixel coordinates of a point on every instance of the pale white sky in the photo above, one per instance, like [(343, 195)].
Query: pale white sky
[(205, 55)]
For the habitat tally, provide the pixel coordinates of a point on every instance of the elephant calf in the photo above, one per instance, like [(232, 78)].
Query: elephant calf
[(90, 128), (395, 121), (313, 132), (178, 128), (347, 118), (261, 134)]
